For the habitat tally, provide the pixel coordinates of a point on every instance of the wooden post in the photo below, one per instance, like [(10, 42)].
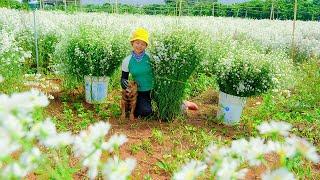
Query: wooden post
[(65, 5), (271, 11), (273, 14), (213, 8), (294, 28), (116, 8), (176, 10), (180, 7), (112, 6), (40, 4)]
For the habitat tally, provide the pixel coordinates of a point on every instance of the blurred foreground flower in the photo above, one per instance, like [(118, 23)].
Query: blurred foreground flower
[(115, 169), (281, 173), (281, 128), (190, 170)]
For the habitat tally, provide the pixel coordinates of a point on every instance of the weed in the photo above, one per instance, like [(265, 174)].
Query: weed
[(158, 136), (134, 148)]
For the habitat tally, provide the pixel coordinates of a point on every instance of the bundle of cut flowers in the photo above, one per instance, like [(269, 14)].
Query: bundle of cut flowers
[(175, 56)]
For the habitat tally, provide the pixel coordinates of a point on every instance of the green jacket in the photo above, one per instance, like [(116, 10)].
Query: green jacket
[(141, 71)]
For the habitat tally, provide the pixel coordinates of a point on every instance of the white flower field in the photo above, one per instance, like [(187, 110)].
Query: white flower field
[(48, 131)]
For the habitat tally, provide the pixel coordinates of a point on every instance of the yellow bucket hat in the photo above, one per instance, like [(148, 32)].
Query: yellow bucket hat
[(140, 34)]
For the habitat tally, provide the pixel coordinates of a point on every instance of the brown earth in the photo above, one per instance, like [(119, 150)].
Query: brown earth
[(141, 130)]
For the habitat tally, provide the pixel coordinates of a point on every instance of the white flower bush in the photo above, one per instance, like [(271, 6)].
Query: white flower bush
[(235, 161), (243, 69), (25, 143), (10, 52), (90, 51)]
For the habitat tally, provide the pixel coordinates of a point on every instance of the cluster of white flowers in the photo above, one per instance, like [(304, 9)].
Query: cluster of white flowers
[(115, 169), (190, 170), (281, 173), (10, 52), (235, 161), (90, 144), (19, 131), (15, 123), (303, 147), (281, 128)]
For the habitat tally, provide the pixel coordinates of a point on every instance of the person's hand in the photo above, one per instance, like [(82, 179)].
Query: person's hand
[(191, 105), (124, 83)]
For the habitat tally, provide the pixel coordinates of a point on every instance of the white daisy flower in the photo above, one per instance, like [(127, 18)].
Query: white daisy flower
[(277, 127), (190, 170), (304, 147), (115, 169), (279, 174), (114, 142)]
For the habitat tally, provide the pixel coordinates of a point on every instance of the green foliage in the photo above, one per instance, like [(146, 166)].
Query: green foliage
[(157, 135), (56, 165), (146, 146), (135, 148), (13, 4), (198, 83), (12, 58), (300, 106), (46, 48), (175, 57)]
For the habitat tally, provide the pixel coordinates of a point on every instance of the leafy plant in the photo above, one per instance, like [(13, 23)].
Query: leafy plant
[(157, 135)]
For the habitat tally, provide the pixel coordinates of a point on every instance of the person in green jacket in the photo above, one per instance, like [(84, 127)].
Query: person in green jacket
[(139, 66)]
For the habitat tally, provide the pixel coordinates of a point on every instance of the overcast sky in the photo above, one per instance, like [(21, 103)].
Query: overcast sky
[(141, 1), (134, 2), (232, 1)]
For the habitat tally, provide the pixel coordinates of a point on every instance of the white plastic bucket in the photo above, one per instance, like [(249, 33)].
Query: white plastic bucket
[(96, 89), (230, 107)]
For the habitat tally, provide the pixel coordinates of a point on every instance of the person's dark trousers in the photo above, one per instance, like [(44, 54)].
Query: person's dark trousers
[(143, 107)]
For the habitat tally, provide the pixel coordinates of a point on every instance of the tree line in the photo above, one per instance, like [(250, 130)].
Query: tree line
[(256, 9)]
